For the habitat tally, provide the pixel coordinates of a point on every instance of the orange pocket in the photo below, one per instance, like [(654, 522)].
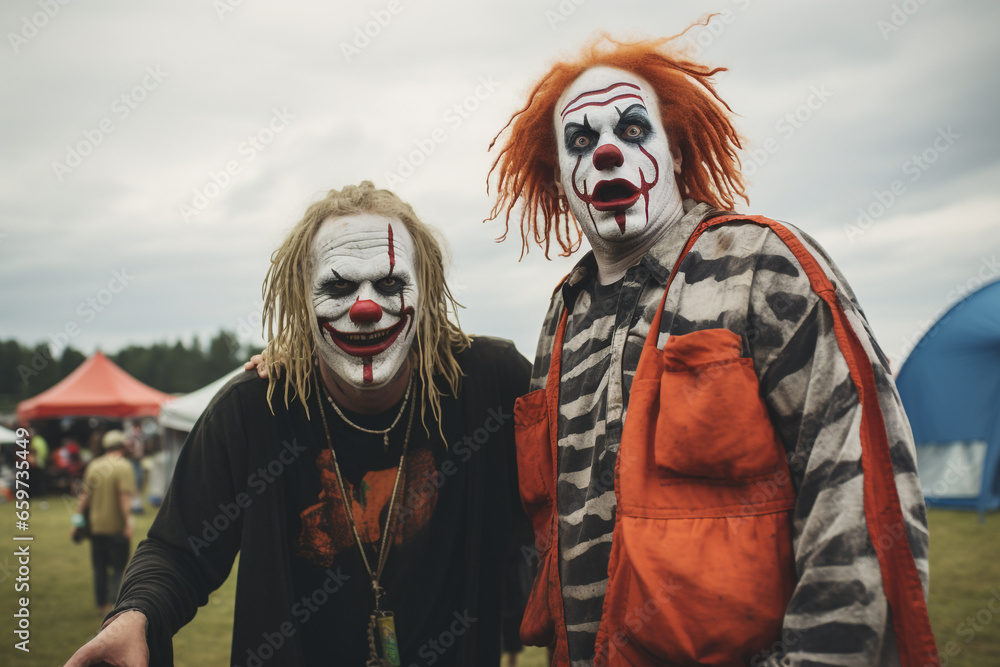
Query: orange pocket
[(534, 451), (537, 479), (706, 566), (712, 422), (705, 591)]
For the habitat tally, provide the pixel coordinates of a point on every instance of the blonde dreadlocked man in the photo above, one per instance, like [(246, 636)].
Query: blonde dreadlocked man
[(369, 487)]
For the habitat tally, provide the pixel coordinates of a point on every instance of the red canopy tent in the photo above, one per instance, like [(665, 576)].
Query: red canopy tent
[(97, 388)]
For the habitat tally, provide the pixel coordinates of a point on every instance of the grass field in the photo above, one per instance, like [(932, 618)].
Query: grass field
[(965, 577)]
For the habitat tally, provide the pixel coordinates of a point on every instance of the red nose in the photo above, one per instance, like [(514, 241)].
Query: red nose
[(365, 311), (608, 156)]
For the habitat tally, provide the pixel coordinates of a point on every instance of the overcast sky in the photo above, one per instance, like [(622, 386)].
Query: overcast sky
[(117, 117)]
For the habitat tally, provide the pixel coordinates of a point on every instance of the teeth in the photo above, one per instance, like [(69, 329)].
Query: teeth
[(365, 337), (362, 338)]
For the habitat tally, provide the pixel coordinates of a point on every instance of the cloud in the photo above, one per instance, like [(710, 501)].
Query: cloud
[(368, 115)]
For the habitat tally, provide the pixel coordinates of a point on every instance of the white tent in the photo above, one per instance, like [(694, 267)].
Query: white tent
[(181, 413), (8, 448), (177, 418), (7, 436)]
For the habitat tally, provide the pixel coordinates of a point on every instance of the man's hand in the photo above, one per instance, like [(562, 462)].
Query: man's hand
[(122, 643), (260, 363)]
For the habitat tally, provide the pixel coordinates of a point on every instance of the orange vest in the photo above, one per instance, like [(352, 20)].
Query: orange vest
[(702, 567)]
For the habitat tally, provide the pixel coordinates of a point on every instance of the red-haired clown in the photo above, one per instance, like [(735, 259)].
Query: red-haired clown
[(714, 456)]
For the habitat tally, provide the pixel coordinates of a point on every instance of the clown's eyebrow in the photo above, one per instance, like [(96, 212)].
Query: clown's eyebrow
[(635, 114), (597, 92), (330, 281)]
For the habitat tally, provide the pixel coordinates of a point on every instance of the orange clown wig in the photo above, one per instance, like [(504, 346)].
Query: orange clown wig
[(695, 117)]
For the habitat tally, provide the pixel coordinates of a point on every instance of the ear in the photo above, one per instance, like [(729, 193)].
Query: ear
[(557, 179), (676, 155)]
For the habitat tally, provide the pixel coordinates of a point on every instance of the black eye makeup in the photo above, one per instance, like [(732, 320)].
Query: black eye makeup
[(634, 125), (390, 285), (579, 138), (336, 286)]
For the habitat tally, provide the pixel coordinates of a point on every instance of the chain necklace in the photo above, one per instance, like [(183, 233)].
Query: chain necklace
[(382, 432), (381, 621)]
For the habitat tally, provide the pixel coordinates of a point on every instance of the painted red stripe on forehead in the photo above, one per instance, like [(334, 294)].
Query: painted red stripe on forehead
[(604, 103), (392, 252), (597, 92)]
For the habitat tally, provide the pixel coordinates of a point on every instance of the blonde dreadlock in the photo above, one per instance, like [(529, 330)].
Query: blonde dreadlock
[(287, 312)]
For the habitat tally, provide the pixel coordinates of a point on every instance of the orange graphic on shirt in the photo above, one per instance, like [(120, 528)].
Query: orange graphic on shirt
[(325, 529)]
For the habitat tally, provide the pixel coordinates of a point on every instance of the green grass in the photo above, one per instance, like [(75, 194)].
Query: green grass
[(63, 615), (965, 575)]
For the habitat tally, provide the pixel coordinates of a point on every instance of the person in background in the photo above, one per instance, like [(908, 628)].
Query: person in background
[(108, 488), (93, 448), (40, 446), (135, 447), (38, 458), (68, 466)]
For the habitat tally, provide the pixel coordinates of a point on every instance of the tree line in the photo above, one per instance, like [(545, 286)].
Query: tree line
[(27, 370)]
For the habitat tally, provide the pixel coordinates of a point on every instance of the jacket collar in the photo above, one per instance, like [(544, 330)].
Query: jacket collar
[(658, 261)]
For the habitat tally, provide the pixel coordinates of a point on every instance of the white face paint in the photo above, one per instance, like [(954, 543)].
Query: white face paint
[(614, 159), (364, 297)]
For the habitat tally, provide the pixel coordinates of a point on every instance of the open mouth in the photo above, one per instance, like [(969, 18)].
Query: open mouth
[(367, 343), (614, 195)]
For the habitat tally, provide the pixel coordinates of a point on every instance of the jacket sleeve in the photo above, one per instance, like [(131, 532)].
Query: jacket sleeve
[(191, 546), (838, 613)]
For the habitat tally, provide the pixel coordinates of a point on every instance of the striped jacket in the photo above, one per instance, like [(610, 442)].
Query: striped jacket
[(742, 278)]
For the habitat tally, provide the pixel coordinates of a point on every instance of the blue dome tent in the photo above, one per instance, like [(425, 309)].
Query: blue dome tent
[(950, 386)]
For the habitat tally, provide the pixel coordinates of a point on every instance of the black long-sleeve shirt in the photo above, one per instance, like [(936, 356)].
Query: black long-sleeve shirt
[(263, 485)]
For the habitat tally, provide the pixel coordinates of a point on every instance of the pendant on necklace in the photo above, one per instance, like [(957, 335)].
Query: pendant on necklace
[(386, 626), (385, 441)]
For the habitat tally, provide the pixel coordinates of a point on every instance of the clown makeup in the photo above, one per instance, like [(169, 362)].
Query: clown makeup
[(614, 160), (364, 295)]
